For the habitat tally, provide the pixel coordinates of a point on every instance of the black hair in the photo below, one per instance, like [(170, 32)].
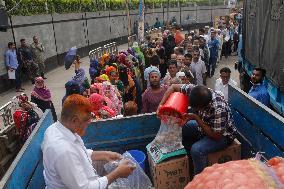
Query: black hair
[(22, 40), (188, 55), (148, 37), (178, 27), (180, 50), (202, 30), (263, 71), (200, 97), (225, 70), (172, 62), (155, 60), (196, 49), (10, 44)]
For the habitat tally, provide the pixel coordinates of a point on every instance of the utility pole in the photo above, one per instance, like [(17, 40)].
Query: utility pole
[(168, 10), (128, 18), (211, 10), (2, 3)]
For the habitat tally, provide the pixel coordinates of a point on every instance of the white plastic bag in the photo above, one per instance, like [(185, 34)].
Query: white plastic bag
[(12, 74), (169, 136), (138, 179)]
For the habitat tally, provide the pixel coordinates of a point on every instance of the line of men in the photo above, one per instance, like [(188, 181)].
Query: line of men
[(27, 58)]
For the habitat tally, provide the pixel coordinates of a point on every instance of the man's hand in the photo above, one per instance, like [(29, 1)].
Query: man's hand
[(105, 156), (112, 156), (125, 168), (190, 116), (158, 111)]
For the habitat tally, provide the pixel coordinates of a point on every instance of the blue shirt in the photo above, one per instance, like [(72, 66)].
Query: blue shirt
[(213, 45), (11, 59), (259, 92)]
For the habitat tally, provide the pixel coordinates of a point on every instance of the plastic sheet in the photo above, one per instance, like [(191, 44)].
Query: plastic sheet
[(168, 141), (138, 179), (168, 138)]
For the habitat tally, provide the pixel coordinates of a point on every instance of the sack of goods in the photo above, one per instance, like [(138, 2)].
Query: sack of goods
[(138, 179), (277, 164), (168, 141), (241, 174)]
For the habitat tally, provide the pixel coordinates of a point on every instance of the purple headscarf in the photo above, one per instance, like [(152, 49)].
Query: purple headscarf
[(80, 76), (40, 91)]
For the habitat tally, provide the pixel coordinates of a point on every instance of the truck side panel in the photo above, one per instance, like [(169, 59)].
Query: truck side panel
[(260, 127)]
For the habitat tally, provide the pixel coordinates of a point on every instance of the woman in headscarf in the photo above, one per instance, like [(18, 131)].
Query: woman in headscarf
[(100, 110), (96, 88), (105, 60), (41, 96), (94, 69), (81, 79), (112, 74), (111, 92), (129, 85), (25, 117), (71, 87)]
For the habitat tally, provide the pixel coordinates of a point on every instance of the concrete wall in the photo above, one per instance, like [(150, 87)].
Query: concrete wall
[(59, 32)]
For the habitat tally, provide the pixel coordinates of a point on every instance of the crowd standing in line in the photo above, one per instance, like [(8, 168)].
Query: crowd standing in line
[(141, 74), (138, 80)]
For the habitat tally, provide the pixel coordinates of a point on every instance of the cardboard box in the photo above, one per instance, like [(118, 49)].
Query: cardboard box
[(233, 152), (170, 174)]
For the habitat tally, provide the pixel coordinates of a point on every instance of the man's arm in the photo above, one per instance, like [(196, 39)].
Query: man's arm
[(105, 156), (173, 88), (73, 174), (208, 131), (7, 60), (204, 78), (204, 75)]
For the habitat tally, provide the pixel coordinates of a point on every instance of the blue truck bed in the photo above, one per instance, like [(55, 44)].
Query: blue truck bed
[(260, 129)]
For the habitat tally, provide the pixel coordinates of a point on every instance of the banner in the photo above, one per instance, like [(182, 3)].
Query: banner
[(141, 21)]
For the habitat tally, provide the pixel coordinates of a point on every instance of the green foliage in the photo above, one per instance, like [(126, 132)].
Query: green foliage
[(34, 7)]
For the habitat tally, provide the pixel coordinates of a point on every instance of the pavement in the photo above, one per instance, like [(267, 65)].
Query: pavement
[(57, 78)]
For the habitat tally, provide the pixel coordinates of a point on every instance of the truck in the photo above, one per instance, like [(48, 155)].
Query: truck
[(259, 130), (261, 46)]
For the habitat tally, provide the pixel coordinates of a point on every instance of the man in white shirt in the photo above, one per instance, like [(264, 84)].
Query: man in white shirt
[(67, 163), (221, 84), (198, 69)]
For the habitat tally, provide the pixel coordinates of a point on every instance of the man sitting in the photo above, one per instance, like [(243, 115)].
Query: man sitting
[(210, 128), (67, 163)]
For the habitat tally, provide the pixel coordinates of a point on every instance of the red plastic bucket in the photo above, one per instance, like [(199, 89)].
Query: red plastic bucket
[(176, 103)]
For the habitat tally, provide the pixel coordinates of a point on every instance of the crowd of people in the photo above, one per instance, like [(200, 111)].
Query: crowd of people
[(137, 80), (134, 81)]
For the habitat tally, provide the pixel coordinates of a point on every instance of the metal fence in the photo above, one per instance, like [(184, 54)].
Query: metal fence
[(9, 142), (97, 53)]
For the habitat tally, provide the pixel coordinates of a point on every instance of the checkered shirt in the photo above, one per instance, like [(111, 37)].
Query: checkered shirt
[(217, 115)]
